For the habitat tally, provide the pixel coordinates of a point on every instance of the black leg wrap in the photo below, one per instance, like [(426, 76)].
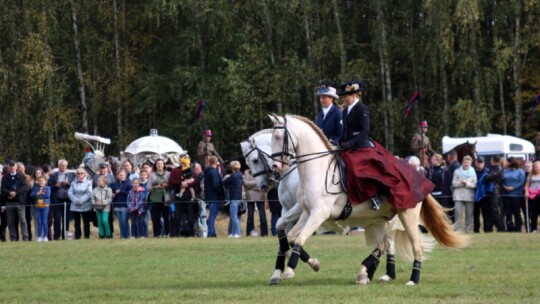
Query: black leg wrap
[(391, 266), (293, 259), (372, 262), (280, 261), (283, 244), (304, 256), (415, 276)]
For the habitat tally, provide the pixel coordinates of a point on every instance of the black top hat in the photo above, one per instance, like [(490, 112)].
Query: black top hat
[(351, 87)]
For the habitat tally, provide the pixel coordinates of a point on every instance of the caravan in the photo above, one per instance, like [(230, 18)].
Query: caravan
[(494, 144)]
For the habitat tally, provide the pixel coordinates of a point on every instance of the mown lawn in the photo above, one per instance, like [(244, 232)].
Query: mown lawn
[(496, 268)]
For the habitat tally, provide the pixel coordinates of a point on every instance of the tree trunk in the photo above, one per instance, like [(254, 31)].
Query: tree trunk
[(501, 99), (387, 81), (310, 56), (516, 68), (342, 51), (80, 74), (476, 79), (119, 111), (269, 33)]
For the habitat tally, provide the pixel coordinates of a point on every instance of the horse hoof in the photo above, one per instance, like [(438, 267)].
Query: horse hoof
[(274, 281), (314, 264), (385, 278), (410, 283), (362, 279), (288, 273)]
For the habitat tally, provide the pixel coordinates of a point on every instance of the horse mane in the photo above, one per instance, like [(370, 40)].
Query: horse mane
[(315, 128), (261, 132)]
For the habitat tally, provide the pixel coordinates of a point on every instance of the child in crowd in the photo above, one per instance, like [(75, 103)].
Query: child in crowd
[(42, 195), (143, 182), (136, 201), (102, 197), (187, 176)]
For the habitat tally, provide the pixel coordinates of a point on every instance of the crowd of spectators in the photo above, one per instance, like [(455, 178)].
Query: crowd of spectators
[(502, 195), (176, 200)]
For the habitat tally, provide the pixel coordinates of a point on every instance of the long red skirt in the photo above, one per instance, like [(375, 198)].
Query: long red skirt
[(370, 170)]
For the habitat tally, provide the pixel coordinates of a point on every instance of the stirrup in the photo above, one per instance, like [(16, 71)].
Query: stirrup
[(376, 202)]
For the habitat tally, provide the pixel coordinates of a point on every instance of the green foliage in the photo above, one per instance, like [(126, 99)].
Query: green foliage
[(147, 65)]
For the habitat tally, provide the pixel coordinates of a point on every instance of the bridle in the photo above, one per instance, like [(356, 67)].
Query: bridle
[(263, 158), (285, 149)]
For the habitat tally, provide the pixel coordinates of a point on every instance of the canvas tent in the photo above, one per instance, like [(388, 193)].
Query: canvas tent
[(153, 147)]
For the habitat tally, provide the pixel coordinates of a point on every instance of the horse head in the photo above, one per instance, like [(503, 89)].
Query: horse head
[(256, 151)]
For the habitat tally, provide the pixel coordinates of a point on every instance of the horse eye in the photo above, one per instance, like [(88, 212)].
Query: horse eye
[(255, 161)]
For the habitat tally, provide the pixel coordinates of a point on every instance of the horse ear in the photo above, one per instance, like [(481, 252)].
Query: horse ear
[(272, 118), (275, 118)]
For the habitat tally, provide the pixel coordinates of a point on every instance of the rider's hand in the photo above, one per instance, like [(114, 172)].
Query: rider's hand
[(345, 145)]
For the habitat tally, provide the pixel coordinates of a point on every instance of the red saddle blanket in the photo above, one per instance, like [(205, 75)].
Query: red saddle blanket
[(370, 170)]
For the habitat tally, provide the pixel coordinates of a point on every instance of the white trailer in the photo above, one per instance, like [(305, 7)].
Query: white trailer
[(494, 144)]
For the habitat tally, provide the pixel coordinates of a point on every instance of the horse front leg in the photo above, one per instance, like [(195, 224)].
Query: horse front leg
[(284, 249), (371, 263), (305, 227)]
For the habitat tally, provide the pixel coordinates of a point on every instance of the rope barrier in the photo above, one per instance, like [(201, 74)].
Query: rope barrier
[(208, 202)]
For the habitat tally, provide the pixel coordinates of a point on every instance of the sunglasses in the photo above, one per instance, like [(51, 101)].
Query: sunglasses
[(80, 173)]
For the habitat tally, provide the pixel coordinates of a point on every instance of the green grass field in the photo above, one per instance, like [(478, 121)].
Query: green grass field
[(496, 268)]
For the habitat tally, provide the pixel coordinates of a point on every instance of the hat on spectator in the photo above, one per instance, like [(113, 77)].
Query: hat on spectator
[(351, 87), (423, 124), (325, 90), (185, 163), (480, 159), (207, 133), (12, 163), (103, 165)]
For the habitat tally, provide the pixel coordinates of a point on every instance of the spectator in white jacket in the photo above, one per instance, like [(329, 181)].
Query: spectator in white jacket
[(464, 185)]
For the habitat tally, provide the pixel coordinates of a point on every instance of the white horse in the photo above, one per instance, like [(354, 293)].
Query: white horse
[(322, 200), (256, 151)]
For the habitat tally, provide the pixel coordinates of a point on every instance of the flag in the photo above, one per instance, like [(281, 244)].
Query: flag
[(534, 104), (200, 109), (408, 109)]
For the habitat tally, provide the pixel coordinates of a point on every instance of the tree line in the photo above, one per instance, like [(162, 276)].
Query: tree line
[(117, 68)]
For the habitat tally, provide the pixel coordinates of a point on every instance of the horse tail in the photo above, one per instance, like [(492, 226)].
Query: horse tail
[(403, 247), (437, 222)]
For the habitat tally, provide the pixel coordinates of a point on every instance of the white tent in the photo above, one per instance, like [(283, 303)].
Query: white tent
[(153, 147)]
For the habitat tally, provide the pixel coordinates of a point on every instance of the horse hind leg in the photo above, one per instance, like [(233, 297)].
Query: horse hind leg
[(390, 269), (368, 267), (390, 260), (410, 221)]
